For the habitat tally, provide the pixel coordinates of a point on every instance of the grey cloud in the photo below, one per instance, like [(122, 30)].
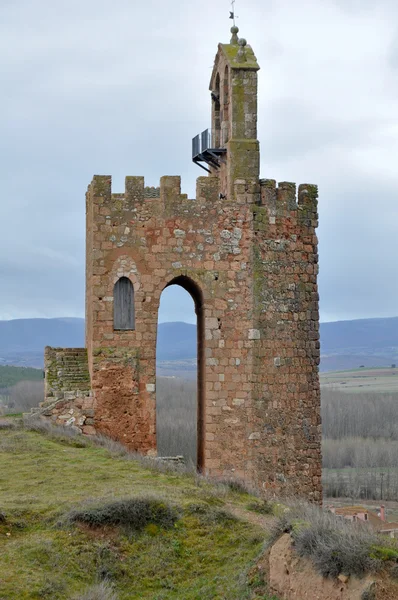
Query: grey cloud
[(358, 262), (365, 6), (294, 128)]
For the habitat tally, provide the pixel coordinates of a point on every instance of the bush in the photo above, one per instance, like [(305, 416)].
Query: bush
[(333, 544), (263, 508), (385, 553), (7, 424), (394, 572), (100, 591), (210, 515), (60, 433), (132, 514), (237, 485)]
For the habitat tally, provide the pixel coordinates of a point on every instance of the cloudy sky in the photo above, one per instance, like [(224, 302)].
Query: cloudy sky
[(121, 86)]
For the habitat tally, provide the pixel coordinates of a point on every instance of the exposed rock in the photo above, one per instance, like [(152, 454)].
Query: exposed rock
[(294, 578)]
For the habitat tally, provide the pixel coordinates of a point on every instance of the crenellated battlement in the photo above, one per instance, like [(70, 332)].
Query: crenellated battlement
[(135, 188), (146, 202), (286, 194), (284, 200)]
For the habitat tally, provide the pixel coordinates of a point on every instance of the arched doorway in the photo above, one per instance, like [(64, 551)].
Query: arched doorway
[(171, 430)]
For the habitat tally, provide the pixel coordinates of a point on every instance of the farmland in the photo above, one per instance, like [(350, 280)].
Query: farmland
[(362, 380)]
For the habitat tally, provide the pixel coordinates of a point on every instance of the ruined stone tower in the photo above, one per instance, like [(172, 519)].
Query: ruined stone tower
[(246, 251)]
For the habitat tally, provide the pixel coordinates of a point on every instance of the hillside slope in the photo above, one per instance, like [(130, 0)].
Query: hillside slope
[(9, 376), (30, 335), (201, 552)]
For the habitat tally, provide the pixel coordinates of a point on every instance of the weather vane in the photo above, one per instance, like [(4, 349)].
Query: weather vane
[(232, 12)]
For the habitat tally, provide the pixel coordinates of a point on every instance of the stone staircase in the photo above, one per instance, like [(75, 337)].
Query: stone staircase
[(67, 381), (66, 370)]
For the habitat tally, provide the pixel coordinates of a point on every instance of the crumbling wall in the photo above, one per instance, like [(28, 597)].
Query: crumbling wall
[(68, 398)]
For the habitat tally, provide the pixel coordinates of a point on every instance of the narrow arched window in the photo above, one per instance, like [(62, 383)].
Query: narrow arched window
[(216, 114), (123, 304), (225, 112)]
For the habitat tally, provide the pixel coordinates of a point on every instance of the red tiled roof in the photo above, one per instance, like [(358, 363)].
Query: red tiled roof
[(373, 518)]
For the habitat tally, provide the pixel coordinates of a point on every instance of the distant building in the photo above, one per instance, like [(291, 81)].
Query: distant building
[(376, 519)]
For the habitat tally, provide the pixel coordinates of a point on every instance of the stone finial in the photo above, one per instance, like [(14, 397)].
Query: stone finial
[(234, 38), (241, 52)]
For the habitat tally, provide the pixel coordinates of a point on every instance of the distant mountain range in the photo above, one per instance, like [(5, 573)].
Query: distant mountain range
[(362, 342), (344, 344)]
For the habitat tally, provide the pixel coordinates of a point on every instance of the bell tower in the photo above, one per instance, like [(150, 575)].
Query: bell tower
[(230, 149), (246, 250)]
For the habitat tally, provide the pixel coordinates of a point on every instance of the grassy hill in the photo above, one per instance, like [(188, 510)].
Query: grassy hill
[(85, 519), (190, 547), (9, 376)]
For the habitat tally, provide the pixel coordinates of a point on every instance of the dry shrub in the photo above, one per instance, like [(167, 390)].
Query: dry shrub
[(334, 544), (73, 437), (7, 424), (394, 572), (239, 486), (114, 447), (263, 507), (100, 591), (60, 433), (211, 515), (133, 514)]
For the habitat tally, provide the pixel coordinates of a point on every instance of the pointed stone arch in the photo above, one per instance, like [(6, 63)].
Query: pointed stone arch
[(196, 293)]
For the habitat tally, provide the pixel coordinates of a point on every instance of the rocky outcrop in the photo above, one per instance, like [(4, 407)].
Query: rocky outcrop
[(294, 578)]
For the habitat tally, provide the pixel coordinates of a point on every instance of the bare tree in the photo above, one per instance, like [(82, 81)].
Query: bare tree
[(25, 395)]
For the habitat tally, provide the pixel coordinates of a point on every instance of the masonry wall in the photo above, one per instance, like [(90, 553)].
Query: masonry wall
[(68, 399), (255, 262), (286, 396), (155, 241)]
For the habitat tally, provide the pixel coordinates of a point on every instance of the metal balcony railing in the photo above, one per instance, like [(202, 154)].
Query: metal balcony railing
[(205, 148)]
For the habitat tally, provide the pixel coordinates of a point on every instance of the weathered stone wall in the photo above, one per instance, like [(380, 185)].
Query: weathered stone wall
[(66, 369), (286, 396), (154, 242), (68, 398), (237, 120), (256, 268), (75, 410)]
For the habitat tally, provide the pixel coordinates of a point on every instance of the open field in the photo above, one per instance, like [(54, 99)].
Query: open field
[(185, 369), (362, 380), (206, 553)]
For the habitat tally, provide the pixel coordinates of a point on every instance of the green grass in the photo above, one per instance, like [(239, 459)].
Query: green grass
[(9, 376), (206, 554)]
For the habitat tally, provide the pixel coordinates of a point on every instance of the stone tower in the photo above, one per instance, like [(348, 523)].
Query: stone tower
[(246, 251)]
